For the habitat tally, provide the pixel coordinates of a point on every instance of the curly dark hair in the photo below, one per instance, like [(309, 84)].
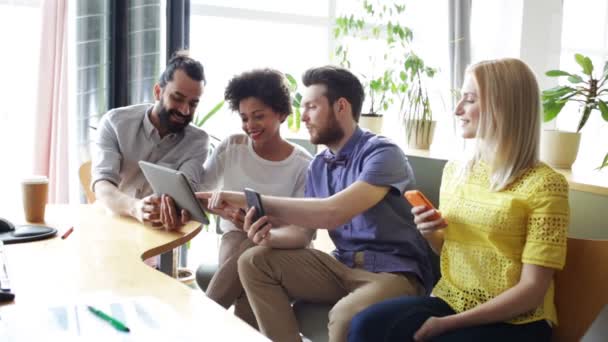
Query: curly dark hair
[(181, 61), (340, 83), (267, 85)]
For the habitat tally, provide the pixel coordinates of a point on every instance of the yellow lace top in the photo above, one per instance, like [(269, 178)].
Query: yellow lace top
[(490, 235)]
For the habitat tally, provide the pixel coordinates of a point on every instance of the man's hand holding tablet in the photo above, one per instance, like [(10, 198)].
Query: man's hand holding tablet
[(177, 196)]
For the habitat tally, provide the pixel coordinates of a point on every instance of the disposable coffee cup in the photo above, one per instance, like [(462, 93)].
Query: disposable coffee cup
[(35, 191)]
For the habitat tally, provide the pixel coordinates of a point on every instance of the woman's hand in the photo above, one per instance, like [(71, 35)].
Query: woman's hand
[(432, 327), (218, 200), (258, 231), (226, 204), (423, 222), (234, 215)]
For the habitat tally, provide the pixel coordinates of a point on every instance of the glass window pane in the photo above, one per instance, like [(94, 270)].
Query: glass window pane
[(92, 56), (496, 29), (136, 3), (584, 24), (144, 42), (91, 78), (144, 49), (92, 53), (84, 8), (308, 7), (140, 90), (20, 38), (144, 17), (428, 21), (91, 106), (91, 27), (289, 48), (584, 30)]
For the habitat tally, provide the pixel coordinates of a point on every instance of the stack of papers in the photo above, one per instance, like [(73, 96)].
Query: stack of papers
[(147, 319)]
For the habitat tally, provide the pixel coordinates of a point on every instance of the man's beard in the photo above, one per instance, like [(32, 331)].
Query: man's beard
[(331, 133), (165, 122)]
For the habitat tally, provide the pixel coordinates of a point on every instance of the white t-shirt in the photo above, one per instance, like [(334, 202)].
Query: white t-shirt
[(234, 165)]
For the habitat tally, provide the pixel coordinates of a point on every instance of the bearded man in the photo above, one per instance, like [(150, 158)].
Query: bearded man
[(159, 133), (355, 190)]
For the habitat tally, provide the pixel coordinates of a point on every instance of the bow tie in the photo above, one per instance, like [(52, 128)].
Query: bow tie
[(333, 161)]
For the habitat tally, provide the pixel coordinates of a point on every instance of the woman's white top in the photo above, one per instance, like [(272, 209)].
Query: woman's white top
[(234, 165)]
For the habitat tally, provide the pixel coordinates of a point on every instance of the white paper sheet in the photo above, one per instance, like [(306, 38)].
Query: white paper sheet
[(147, 318)]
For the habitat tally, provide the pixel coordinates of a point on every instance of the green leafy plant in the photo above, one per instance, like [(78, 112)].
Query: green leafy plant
[(293, 121), (380, 22), (604, 163), (200, 119), (583, 88), (416, 111)]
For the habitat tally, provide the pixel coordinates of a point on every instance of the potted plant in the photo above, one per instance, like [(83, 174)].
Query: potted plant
[(559, 149), (604, 162), (380, 96), (380, 25), (293, 121), (416, 111)]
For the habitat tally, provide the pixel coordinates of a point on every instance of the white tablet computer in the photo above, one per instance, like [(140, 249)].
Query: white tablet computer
[(175, 184)]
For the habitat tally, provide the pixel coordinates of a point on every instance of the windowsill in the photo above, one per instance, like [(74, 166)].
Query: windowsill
[(592, 181), (580, 179)]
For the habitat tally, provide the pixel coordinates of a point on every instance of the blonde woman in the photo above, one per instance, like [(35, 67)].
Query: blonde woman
[(503, 229)]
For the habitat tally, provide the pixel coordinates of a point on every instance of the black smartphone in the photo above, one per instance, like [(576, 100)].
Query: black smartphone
[(254, 200)]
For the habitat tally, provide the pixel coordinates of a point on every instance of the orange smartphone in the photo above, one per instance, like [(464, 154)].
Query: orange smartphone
[(417, 198)]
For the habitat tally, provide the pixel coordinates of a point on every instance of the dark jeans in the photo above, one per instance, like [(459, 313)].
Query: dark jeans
[(398, 319)]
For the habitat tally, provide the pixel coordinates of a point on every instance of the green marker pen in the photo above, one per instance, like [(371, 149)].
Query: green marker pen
[(114, 322)]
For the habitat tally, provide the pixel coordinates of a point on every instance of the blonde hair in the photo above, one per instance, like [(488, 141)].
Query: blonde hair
[(508, 134)]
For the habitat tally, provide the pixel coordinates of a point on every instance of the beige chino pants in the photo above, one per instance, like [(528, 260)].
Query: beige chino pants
[(272, 278), (225, 287)]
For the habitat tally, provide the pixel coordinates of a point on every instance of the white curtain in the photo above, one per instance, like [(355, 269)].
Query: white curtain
[(51, 154)]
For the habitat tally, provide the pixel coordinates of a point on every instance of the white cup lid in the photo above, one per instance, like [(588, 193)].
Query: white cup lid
[(35, 180)]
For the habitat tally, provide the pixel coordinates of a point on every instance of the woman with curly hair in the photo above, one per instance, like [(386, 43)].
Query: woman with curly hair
[(259, 158)]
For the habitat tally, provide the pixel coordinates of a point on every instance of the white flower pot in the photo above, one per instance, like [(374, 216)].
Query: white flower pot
[(419, 133), (371, 122), (559, 149), (185, 275)]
